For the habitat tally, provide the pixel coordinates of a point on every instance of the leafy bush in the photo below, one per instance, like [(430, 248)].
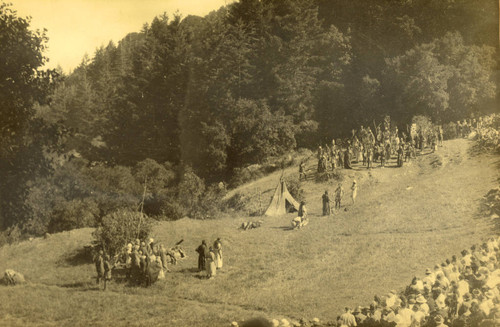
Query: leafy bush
[(243, 175), (171, 209), (74, 214), (120, 227), (236, 202), (11, 235), (295, 189), (211, 202), (155, 179)]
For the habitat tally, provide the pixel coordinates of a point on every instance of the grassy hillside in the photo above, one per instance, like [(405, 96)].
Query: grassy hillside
[(405, 219)]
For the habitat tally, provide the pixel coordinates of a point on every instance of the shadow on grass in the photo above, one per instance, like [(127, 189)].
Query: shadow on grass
[(76, 258), (189, 270), (285, 228), (87, 286)]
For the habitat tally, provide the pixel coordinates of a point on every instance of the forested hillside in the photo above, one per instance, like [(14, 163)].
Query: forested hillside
[(153, 121)]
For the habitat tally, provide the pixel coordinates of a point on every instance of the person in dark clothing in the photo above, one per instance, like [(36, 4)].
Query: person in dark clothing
[(152, 272), (135, 271), (99, 266), (202, 250), (107, 270), (302, 171), (400, 155), (347, 158), (144, 266), (326, 204)]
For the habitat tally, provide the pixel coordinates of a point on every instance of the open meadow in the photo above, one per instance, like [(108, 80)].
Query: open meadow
[(405, 220)]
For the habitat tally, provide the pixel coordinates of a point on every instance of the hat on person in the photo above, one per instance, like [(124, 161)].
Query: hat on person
[(428, 271), (412, 301), (476, 292), (489, 294), (438, 319), (420, 299), (483, 270), (393, 292), (480, 277), (357, 310)]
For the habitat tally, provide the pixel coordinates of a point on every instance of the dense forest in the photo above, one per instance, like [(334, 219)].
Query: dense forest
[(157, 121)]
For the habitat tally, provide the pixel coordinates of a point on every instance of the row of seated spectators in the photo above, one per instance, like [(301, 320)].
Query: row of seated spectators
[(459, 292)]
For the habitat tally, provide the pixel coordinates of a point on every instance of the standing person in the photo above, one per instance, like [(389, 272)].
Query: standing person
[(302, 171), (159, 263), (369, 158), (202, 250), (326, 204), (382, 155), (107, 270), (302, 210), (144, 268), (339, 193), (408, 152), (347, 158), (163, 257), (441, 138), (400, 155), (388, 152), (135, 270), (218, 253), (340, 155), (210, 264), (99, 267), (354, 189)]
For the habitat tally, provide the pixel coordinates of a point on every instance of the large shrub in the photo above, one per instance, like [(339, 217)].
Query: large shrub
[(120, 227)]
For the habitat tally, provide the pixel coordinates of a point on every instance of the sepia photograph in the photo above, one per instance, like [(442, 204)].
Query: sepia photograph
[(250, 163)]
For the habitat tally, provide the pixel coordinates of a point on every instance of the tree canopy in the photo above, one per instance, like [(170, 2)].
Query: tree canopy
[(203, 97)]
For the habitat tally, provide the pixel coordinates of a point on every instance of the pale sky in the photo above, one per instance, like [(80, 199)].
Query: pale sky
[(77, 27)]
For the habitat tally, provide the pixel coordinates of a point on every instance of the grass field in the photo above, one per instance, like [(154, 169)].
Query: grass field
[(405, 220)]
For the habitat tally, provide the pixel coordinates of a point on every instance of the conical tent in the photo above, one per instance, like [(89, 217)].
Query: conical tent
[(280, 199)]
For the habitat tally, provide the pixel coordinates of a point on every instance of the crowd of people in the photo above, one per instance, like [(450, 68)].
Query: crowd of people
[(488, 135), (144, 262), (459, 292), (368, 147)]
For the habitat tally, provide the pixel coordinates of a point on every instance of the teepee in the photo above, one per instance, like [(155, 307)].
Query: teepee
[(281, 199)]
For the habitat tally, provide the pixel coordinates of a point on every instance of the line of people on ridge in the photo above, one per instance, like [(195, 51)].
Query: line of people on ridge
[(367, 148)]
